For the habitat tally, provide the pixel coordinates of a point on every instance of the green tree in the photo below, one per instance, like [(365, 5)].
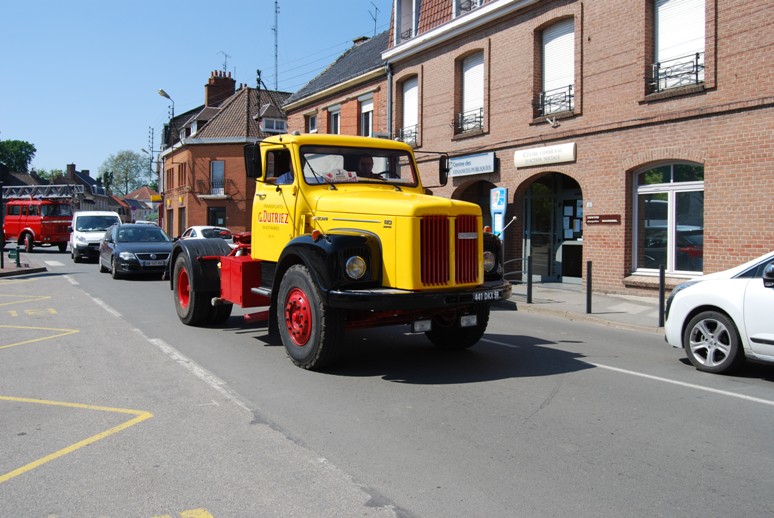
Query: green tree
[(126, 171), (50, 175), (16, 155)]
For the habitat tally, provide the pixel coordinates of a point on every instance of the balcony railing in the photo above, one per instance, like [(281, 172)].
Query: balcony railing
[(469, 121), (673, 73), (214, 187), (555, 101), (409, 134)]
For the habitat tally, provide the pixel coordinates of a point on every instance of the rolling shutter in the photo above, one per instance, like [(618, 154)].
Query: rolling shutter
[(473, 82), (559, 55)]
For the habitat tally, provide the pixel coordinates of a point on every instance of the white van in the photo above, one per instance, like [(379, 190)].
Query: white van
[(87, 230)]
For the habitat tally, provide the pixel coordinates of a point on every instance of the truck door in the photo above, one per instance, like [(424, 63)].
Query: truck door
[(274, 206)]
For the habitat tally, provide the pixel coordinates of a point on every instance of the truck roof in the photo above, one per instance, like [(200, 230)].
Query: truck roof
[(336, 140)]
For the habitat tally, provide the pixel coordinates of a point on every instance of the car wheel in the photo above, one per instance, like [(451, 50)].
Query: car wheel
[(76, 256), (114, 269), (62, 247), (447, 334), (309, 329), (712, 343)]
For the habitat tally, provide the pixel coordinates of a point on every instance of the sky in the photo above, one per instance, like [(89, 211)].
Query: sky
[(80, 78)]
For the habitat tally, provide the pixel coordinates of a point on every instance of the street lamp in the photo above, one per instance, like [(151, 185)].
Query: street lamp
[(162, 93)]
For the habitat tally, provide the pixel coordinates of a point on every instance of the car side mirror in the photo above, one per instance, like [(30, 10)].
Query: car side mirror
[(253, 161), (768, 276), (443, 169)]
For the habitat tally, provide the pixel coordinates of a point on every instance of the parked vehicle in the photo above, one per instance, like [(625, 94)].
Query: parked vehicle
[(37, 222), (131, 248), (208, 232), (722, 318), (87, 230), (341, 247)]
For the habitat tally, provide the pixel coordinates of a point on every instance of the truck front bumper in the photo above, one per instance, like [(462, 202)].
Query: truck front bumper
[(392, 299)]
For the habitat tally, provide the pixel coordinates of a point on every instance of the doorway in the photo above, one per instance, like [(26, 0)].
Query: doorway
[(553, 229)]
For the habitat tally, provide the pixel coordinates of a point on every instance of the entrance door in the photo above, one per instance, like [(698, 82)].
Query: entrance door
[(539, 229), (553, 234)]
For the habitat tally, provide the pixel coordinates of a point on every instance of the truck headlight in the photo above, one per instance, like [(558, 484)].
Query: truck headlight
[(490, 261), (355, 267)]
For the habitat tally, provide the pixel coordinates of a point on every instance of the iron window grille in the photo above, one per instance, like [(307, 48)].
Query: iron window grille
[(409, 134), (469, 121), (673, 73), (555, 101)]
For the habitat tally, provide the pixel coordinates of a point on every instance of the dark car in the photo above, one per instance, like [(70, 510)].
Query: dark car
[(134, 248)]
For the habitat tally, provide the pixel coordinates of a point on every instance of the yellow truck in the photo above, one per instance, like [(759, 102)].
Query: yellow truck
[(344, 236)]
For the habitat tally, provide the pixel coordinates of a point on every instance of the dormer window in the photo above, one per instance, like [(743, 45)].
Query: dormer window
[(269, 125)]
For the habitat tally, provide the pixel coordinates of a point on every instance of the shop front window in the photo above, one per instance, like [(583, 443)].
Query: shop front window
[(669, 215)]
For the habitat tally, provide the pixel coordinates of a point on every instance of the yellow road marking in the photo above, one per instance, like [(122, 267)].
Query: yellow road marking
[(140, 415), (23, 298), (196, 513), (61, 332)]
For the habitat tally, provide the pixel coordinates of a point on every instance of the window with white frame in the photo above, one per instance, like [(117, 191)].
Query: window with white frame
[(311, 123), (558, 68), (669, 218), (410, 115), (472, 115), (217, 177), (407, 15), (367, 116), (270, 125), (679, 43), (334, 120)]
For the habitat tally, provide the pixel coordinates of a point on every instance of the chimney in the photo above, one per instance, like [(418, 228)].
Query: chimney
[(71, 172), (219, 88), (359, 40)]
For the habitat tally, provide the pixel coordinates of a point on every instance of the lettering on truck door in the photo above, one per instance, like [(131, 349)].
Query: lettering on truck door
[(274, 206)]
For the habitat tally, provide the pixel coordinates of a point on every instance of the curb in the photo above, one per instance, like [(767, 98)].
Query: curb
[(582, 317)]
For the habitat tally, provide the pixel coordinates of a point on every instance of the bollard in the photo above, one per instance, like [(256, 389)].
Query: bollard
[(661, 283), (16, 255), (588, 287), (529, 279)]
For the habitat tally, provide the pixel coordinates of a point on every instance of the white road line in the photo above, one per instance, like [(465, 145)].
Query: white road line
[(71, 280), (684, 384), (53, 263), (105, 306)]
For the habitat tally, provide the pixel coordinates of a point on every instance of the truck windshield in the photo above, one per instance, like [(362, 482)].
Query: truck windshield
[(329, 164), (56, 209)]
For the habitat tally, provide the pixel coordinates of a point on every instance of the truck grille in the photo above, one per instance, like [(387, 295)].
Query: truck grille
[(436, 250)]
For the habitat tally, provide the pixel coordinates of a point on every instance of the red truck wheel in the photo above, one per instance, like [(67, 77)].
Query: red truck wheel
[(28, 243), (193, 308), (447, 333), (310, 331)]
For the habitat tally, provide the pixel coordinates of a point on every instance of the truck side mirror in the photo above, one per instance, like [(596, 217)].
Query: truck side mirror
[(253, 161), (768, 276), (443, 169)]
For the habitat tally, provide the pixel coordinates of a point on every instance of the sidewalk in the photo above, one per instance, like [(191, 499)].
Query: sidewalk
[(566, 301)]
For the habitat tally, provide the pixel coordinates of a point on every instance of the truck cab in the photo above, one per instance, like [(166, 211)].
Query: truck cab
[(344, 235)]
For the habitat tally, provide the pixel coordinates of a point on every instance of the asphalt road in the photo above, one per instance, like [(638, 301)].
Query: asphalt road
[(542, 418)]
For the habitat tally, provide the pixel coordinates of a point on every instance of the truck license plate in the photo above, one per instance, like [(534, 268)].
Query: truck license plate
[(484, 296)]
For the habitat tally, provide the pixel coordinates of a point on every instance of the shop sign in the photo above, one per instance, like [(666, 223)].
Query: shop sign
[(472, 164), (603, 219), (545, 155)]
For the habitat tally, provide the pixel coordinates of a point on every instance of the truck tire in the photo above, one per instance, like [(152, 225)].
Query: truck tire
[(220, 313), (62, 247), (447, 333), (28, 243), (193, 308), (309, 330)]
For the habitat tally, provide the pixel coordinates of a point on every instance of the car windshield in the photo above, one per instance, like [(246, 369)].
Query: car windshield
[(337, 165), (146, 234), (93, 223), (56, 209), (216, 232)]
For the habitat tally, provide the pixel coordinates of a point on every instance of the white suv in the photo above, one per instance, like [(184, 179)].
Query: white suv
[(87, 230)]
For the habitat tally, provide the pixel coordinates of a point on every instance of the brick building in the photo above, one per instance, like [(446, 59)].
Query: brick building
[(204, 181), (348, 97), (630, 134)]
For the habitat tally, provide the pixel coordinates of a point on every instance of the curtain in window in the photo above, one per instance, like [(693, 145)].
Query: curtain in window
[(217, 177)]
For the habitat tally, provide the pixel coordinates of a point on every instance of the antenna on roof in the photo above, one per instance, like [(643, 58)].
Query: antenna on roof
[(276, 32), (374, 16), (225, 60)]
